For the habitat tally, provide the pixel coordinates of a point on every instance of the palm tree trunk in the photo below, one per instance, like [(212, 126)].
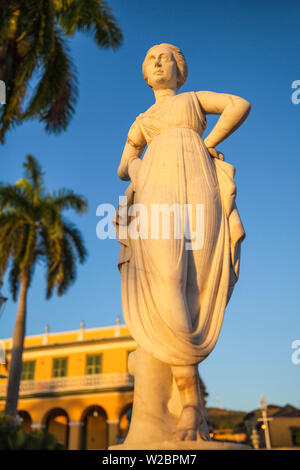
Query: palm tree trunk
[(15, 369)]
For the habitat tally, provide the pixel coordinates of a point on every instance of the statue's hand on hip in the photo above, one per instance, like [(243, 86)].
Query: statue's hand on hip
[(133, 170), (215, 153)]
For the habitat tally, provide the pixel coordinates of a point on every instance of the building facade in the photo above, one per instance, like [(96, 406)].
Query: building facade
[(285, 427), (75, 384)]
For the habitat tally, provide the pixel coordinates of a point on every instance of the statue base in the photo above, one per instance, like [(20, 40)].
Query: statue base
[(181, 445), (156, 410)]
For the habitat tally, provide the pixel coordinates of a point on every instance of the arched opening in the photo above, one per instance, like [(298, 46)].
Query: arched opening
[(95, 429), (125, 418), (57, 423), (25, 420)]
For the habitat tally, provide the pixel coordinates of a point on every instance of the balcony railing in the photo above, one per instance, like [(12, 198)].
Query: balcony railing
[(65, 384)]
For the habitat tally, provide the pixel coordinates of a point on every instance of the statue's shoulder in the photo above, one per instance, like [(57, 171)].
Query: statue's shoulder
[(148, 112), (187, 94)]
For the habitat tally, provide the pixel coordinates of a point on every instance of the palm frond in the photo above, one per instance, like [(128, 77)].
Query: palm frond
[(26, 186), (29, 251), (32, 44), (14, 280), (76, 239), (93, 17), (34, 174), (18, 248), (9, 223), (67, 199), (7, 11), (56, 93), (67, 269), (14, 197), (64, 273), (27, 38), (11, 113)]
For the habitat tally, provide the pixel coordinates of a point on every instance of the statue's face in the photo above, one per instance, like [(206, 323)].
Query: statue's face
[(161, 68)]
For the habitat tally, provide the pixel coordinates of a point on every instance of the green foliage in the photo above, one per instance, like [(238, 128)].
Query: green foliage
[(13, 437), (223, 419), (33, 45), (33, 229)]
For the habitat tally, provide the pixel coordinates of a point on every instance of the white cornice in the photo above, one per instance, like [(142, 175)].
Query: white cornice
[(41, 335)]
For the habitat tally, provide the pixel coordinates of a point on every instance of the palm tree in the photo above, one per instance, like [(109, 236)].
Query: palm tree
[(33, 48), (32, 230)]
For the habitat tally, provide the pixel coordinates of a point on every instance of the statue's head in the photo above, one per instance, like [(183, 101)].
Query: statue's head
[(165, 67)]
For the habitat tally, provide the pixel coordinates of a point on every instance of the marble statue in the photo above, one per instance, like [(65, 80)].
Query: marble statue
[(174, 296)]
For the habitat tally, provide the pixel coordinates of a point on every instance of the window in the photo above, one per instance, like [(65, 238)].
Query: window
[(93, 364), (60, 366), (28, 370), (295, 436)]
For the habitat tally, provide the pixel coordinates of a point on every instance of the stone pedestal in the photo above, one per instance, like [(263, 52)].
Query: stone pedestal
[(156, 409)]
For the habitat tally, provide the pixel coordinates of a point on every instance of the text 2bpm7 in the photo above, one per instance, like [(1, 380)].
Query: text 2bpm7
[(150, 459)]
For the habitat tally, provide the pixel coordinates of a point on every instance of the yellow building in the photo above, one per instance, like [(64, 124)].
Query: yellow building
[(75, 384), (284, 427)]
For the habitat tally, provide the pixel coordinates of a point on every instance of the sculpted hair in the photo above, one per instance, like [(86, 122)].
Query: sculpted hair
[(182, 69)]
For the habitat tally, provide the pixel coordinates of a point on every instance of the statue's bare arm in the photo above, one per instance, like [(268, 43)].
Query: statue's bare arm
[(132, 152), (233, 111)]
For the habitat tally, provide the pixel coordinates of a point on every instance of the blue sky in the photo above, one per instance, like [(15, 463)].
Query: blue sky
[(250, 49)]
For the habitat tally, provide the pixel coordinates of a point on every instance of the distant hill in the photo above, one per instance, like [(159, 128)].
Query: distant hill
[(225, 419)]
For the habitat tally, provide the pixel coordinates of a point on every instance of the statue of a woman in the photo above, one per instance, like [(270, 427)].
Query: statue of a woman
[(174, 297)]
